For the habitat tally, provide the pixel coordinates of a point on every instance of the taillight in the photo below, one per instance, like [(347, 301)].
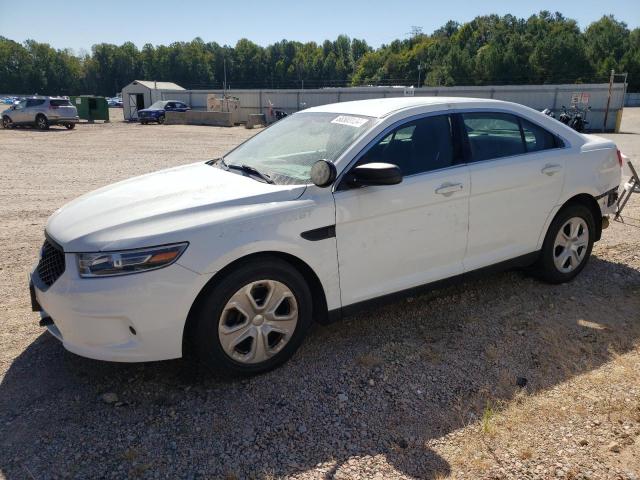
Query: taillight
[(619, 157)]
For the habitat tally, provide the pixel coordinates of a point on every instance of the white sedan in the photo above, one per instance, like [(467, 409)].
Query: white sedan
[(327, 211)]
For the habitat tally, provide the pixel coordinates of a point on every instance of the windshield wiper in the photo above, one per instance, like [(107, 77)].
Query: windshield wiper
[(249, 169), (243, 168)]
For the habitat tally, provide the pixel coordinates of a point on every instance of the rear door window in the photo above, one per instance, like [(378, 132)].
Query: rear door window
[(493, 135)]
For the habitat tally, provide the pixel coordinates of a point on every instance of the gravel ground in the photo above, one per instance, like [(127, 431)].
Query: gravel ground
[(502, 377)]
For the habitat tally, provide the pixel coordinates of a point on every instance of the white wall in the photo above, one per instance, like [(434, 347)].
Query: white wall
[(534, 96)]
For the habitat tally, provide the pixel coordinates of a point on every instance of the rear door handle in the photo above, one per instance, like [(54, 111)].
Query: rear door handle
[(551, 169), (449, 188)]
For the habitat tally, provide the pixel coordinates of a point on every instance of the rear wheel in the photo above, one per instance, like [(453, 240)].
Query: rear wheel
[(143, 122), (254, 319), (161, 119), (567, 245), (6, 122), (70, 126), (42, 123)]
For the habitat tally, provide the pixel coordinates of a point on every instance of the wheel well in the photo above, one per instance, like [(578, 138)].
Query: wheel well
[(588, 201), (320, 311)]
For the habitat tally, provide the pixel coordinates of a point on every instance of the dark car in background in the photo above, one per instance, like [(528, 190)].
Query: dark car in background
[(156, 112)]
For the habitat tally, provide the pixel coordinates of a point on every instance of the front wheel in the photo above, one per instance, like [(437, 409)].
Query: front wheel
[(6, 122), (567, 245), (161, 119), (254, 319), (70, 126)]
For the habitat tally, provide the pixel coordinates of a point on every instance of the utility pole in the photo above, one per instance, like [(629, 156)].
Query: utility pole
[(419, 72), (606, 112), (224, 84)]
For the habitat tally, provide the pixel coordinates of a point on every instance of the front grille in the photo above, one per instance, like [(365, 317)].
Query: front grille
[(51, 264)]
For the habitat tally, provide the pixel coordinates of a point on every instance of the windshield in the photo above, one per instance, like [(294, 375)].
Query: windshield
[(286, 150), (159, 105)]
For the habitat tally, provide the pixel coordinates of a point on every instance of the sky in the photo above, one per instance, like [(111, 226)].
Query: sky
[(79, 24)]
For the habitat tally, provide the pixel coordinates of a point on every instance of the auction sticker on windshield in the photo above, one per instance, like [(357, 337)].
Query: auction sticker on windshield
[(348, 120)]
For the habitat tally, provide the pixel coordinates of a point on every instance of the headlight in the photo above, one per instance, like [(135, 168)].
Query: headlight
[(105, 264)]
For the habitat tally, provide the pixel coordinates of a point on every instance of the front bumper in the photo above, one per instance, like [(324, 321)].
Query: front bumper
[(129, 318)]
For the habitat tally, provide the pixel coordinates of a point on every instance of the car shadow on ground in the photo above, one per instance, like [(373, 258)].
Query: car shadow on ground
[(383, 385), (52, 128)]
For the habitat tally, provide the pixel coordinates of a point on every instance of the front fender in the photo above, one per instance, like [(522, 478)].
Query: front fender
[(214, 248)]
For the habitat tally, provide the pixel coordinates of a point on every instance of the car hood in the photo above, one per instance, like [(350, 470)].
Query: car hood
[(161, 207)]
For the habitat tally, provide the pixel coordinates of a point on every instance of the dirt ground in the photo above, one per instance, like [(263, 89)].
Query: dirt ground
[(503, 377)]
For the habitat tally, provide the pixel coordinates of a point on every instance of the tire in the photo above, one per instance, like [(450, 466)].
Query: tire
[(564, 255), (42, 123), (143, 122), (6, 122), (70, 126), (226, 339), (160, 119)]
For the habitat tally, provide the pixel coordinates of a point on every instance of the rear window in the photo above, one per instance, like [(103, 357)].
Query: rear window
[(537, 138), (60, 103)]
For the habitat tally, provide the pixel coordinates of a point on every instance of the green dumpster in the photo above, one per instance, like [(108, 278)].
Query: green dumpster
[(91, 107)]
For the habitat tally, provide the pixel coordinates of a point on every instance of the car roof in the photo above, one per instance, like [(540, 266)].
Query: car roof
[(381, 107)]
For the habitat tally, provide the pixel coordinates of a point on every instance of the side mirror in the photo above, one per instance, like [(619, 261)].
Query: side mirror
[(323, 173), (374, 174)]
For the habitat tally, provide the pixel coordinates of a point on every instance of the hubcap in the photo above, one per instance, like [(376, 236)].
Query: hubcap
[(571, 245), (41, 122), (258, 321)]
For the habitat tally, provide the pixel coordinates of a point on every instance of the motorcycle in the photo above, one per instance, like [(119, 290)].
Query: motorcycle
[(579, 120), (575, 117), (564, 116)]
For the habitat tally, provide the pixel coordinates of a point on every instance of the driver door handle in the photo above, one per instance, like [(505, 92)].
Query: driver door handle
[(449, 188), (551, 169)]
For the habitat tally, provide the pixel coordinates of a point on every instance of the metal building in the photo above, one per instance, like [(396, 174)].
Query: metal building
[(141, 94)]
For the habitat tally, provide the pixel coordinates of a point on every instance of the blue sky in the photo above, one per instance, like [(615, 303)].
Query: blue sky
[(79, 24)]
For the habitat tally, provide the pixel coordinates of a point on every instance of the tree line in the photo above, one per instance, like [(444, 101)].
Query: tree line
[(492, 49)]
